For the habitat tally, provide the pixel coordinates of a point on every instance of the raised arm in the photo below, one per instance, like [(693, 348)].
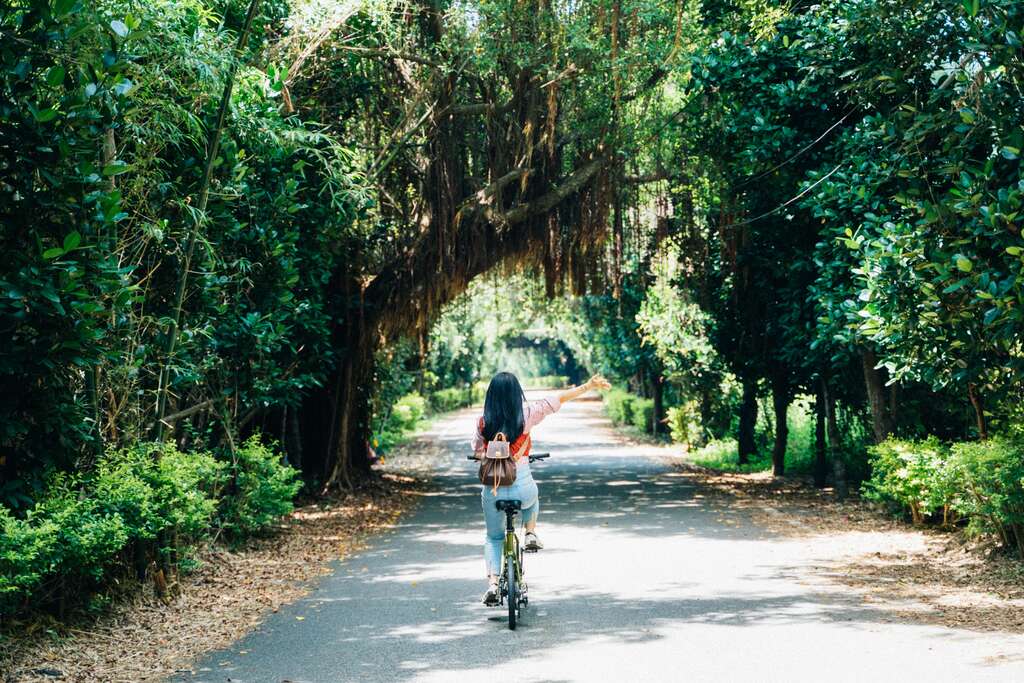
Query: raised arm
[(595, 382), (478, 438)]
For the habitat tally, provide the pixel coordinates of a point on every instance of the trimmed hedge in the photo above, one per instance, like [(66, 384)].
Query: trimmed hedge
[(619, 406), (453, 398), (150, 501), (444, 400), (643, 414), (624, 408)]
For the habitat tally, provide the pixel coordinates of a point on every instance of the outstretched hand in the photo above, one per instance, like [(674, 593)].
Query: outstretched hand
[(598, 382)]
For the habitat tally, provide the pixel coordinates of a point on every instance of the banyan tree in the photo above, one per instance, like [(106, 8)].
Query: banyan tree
[(496, 134)]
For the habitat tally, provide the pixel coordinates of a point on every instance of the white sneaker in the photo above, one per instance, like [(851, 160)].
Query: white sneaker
[(491, 596), (533, 543)]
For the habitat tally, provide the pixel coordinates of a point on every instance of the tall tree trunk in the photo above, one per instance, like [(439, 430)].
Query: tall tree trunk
[(979, 410), (780, 402), (294, 439), (748, 421), (881, 420), (348, 456), (838, 466), (820, 461), (659, 408), (707, 417)]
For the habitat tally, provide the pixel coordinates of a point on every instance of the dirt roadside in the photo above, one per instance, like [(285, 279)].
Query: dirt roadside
[(921, 575), (140, 638)]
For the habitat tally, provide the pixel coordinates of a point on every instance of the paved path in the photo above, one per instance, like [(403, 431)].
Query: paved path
[(643, 580)]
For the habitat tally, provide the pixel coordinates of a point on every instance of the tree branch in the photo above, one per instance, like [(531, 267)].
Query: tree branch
[(546, 202)]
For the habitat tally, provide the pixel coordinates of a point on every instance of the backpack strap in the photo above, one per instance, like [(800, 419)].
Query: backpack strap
[(522, 449)]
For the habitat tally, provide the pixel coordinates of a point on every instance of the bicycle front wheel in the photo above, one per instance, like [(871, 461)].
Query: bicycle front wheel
[(513, 593)]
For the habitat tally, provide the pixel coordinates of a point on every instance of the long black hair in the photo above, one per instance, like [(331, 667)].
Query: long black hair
[(503, 407)]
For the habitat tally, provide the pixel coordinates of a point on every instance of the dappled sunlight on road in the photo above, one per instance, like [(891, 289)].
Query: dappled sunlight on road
[(643, 578)]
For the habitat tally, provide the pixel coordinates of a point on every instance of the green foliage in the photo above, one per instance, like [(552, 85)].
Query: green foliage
[(619, 405), (611, 331), (980, 480), (721, 454), (626, 409), (912, 474), (444, 400), (989, 476), (261, 490), (151, 498), (679, 332), (643, 414), (408, 411), (155, 487), (684, 424), (28, 549), (110, 104)]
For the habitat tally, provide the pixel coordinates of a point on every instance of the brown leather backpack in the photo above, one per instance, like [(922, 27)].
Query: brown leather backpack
[(498, 466)]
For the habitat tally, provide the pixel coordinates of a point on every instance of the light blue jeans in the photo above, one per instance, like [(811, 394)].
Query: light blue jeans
[(524, 489)]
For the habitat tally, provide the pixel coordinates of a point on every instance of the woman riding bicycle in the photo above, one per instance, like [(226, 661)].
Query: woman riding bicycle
[(507, 411)]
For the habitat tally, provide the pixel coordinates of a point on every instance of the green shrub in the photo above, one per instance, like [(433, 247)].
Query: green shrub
[(444, 400), (81, 526), (619, 406), (912, 474), (684, 424), (990, 477), (407, 412), (262, 490), (88, 535), (643, 414), (156, 488), (479, 392), (27, 551), (404, 417)]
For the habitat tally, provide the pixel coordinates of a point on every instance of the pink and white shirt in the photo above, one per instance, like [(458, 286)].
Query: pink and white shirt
[(533, 413)]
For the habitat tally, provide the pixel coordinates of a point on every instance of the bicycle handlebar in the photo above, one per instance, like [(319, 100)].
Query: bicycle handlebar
[(537, 456)]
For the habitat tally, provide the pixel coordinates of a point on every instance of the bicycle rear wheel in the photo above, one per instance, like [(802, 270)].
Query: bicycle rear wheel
[(513, 593)]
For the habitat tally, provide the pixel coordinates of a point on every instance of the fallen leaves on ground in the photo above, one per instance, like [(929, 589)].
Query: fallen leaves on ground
[(922, 575), (234, 590)]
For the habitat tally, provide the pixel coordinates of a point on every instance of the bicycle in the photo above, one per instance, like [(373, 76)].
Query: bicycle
[(511, 587)]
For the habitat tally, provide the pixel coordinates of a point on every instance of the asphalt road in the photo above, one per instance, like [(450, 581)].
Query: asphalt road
[(642, 579)]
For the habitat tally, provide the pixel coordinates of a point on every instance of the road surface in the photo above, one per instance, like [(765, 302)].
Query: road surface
[(643, 579)]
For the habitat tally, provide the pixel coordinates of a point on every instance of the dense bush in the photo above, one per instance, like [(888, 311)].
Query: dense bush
[(912, 474), (990, 482), (453, 398), (619, 406), (262, 489), (626, 409), (643, 414), (407, 412), (403, 417), (150, 500), (982, 481), (684, 424), (155, 487)]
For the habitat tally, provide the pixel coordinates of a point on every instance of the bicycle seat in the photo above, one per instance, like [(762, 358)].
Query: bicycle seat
[(508, 504)]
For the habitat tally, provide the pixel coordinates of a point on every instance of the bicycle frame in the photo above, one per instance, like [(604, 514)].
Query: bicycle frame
[(511, 549)]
